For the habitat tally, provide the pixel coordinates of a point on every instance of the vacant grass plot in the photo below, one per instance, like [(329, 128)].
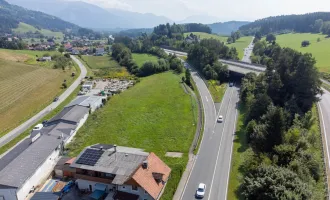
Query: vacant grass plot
[(241, 44), (155, 115), (217, 91), (320, 50), (102, 66), (208, 36), (25, 90), (141, 58), (24, 28)]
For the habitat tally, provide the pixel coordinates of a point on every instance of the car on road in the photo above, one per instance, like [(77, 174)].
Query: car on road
[(220, 119), (56, 99), (231, 84), (200, 192)]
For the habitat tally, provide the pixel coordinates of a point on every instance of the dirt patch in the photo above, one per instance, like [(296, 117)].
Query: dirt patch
[(59, 186), (14, 57), (174, 154)]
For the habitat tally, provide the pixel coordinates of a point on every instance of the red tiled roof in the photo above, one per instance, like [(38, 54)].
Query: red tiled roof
[(70, 161), (145, 179)]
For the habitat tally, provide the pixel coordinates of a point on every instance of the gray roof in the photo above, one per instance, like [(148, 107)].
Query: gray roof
[(70, 114), (23, 166), (45, 196), (85, 101), (123, 162)]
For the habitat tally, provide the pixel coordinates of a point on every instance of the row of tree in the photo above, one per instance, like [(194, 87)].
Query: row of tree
[(233, 37), (205, 55), (123, 55), (280, 163), (14, 44), (311, 22)]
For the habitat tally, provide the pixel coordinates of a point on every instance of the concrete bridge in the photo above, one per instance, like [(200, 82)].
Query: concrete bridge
[(233, 65)]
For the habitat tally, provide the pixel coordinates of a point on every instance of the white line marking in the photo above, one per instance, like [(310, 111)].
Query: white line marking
[(216, 162), (206, 99), (231, 153), (325, 134)]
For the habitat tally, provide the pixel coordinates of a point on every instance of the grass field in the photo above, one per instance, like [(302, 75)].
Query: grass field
[(156, 115), (217, 91), (207, 36), (141, 58), (320, 50), (241, 44), (25, 89), (241, 151), (24, 28), (104, 66)]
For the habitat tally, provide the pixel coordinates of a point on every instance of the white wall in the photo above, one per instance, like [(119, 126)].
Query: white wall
[(39, 175), (8, 194), (84, 184)]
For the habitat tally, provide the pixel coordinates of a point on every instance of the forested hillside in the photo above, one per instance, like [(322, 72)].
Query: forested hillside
[(11, 15), (280, 24), (226, 28)]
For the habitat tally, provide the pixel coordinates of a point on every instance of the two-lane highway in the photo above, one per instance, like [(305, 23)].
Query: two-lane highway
[(212, 164)]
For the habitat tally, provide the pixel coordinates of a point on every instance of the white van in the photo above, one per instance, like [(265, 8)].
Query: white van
[(38, 127)]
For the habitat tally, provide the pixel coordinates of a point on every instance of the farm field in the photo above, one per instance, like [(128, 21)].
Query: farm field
[(207, 36), (141, 58), (26, 89), (156, 115), (241, 44), (320, 50), (102, 66), (24, 28)]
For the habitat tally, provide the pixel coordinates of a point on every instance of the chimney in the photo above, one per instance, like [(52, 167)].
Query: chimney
[(115, 147), (101, 148), (145, 164)]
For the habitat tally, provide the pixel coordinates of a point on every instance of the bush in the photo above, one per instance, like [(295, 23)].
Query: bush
[(305, 43)]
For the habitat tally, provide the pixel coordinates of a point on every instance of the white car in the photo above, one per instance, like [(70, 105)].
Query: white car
[(220, 119), (200, 192), (38, 127)]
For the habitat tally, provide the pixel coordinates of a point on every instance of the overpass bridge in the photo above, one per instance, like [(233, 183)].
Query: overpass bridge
[(234, 66)]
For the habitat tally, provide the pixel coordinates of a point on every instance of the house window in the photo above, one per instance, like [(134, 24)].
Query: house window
[(134, 187), (145, 192), (123, 187)]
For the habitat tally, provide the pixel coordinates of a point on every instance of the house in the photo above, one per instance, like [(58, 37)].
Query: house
[(75, 52), (45, 196), (68, 46), (88, 85), (99, 52), (120, 172)]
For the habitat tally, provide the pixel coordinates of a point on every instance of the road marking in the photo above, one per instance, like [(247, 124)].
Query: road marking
[(206, 99), (325, 134), (216, 162), (231, 154)]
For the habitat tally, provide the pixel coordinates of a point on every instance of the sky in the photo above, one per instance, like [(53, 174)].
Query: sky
[(219, 10)]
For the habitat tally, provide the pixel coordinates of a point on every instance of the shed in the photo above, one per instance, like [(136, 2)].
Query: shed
[(63, 169), (45, 196)]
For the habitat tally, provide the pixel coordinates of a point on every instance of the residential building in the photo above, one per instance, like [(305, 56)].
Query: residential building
[(88, 85), (99, 52), (92, 102), (120, 172), (75, 52)]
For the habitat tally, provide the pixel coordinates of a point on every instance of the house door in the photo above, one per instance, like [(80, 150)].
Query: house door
[(90, 188)]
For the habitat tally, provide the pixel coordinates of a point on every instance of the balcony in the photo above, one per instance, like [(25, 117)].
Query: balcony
[(95, 179)]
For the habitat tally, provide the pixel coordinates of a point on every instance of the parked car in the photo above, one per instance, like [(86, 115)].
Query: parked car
[(220, 119), (200, 192), (56, 99), (38, 127)]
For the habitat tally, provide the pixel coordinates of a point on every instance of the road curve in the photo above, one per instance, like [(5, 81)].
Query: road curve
[(27, 124), (212, 163)]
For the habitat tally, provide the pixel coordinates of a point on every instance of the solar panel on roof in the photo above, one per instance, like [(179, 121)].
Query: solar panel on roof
[(90, 157)]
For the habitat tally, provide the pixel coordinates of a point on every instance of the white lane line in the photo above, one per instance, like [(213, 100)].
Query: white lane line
[(216, 162), (231, 153), (325, 134)]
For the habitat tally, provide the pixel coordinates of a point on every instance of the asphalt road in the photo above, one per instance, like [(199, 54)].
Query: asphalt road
[(248, 52), (27, 124), (212, 164), (324, 112)]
